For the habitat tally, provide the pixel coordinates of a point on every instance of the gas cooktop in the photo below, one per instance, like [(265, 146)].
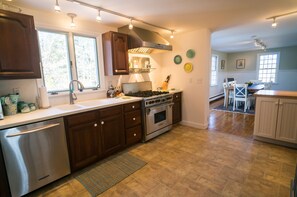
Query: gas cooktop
[(147, 93)]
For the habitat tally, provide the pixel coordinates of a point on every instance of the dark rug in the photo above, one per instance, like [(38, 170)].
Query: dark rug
[(105, 174), (239, 110)]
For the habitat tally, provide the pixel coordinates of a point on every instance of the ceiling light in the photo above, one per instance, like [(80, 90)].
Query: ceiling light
[(260, 43), (130, 25), (172, 36), (72, 16), (274, 24), (8, 0), (98, 17), (57, 7)]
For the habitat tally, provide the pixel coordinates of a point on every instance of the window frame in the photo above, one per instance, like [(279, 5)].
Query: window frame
[(277, 64), (217, 65), (68, 54), (72, 59), (97, 59)]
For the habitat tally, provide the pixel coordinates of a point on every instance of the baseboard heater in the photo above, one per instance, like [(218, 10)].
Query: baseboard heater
[(218, 96)]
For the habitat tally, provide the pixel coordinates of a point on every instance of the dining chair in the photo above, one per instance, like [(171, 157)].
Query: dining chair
[(241, 94), (230, 94)]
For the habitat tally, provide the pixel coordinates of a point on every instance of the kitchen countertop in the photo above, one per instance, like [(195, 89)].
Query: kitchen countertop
[(63, 110), (276, 93)]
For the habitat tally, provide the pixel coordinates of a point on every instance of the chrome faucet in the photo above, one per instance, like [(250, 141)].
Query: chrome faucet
[(72, 95)]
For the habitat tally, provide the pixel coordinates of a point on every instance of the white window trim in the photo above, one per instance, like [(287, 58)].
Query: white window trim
[(277, 64), (216, 84), (70, 46)]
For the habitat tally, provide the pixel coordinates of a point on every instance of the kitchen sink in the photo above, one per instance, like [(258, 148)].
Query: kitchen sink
[(68, 107), (98, 102)]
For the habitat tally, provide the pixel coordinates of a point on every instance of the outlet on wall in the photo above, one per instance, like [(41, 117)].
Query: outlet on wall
[(16, 90)]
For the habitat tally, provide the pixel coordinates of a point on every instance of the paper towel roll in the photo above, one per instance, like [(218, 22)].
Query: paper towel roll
[(44, 101)]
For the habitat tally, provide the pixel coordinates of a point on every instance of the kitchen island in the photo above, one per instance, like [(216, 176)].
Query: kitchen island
[(276, 117)]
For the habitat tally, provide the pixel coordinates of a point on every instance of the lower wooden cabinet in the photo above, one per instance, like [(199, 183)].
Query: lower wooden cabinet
[(177, 108), (133, 127), (93, 135), (83, 136), (112, 130)]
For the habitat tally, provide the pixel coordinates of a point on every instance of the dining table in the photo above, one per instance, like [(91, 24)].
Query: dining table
[(251, 89)]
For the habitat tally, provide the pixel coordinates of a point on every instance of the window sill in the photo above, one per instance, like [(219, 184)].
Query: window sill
[(85, 92)]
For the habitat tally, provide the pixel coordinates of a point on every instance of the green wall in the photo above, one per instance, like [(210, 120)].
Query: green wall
[(288, 59)]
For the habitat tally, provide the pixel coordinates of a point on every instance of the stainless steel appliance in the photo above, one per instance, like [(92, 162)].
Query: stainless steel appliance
[(35, 155), (156, 108)]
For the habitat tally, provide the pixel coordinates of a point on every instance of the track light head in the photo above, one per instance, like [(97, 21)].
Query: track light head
[(274, 24), (130, 25), (98, 17), (57, 6)]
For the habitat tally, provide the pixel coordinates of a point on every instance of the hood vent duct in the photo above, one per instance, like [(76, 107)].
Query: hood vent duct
[(145, 41)]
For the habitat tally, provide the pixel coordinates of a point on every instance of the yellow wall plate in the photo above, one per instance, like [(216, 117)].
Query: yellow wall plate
[(188, 67)]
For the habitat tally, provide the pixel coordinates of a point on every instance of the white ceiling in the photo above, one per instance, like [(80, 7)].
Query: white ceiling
[(233, 22)]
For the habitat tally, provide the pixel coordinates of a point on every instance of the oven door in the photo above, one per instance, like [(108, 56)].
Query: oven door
[(158, 117)]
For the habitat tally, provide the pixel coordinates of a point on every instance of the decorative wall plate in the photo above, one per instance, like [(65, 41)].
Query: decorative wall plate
[(177, 59), (188, 67), (190, 53)]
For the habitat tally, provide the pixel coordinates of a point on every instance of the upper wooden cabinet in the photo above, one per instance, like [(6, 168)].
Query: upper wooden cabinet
[(19, 53), (115, 53)]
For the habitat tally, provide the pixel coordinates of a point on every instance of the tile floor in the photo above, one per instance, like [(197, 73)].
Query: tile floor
[(192, 162)]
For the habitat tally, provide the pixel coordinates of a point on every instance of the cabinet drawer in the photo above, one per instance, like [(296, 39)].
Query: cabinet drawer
[(81, 118), (132, 106), (110, 111), (133, 135), (132, 118), (177, 96)]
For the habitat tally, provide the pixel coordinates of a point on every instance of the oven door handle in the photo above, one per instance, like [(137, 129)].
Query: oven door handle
[(148, 110)]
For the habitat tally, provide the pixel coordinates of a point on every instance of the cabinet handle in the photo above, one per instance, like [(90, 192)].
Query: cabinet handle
[(95, 125), (133, 106), (134, 134), (134, 118), (176, 96), (276, 103), (102, 122)]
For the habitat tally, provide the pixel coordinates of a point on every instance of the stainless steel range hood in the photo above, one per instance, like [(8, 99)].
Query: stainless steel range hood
[(145, 41)]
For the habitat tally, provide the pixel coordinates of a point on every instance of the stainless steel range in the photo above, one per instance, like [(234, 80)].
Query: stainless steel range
[(157, 108)]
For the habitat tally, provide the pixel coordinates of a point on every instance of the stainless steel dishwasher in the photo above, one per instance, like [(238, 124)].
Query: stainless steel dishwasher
[(35, 155)]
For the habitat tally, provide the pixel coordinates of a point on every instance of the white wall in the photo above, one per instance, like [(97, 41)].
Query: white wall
[(222, 73), (195, 85)]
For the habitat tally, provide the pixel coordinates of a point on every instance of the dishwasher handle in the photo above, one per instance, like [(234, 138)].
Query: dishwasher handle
[(33, 130)]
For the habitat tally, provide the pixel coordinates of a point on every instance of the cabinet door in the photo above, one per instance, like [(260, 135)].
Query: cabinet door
[(112, 130), (266, 117), (19, 53), (83, 137), (120, 54), (287, 121), (177, 108), (84, 145)]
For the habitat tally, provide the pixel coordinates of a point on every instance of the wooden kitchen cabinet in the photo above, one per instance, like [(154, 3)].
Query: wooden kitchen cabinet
[(112, 130), (83, 136), (276, 119), (115, 53), (19, 52), (133, 128), (177, 108)]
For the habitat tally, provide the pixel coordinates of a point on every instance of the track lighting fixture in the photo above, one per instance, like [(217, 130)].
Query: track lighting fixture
[(98, 17), (259, 43), (274, 23), (72, 16), (57, 7), (130, 25)]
